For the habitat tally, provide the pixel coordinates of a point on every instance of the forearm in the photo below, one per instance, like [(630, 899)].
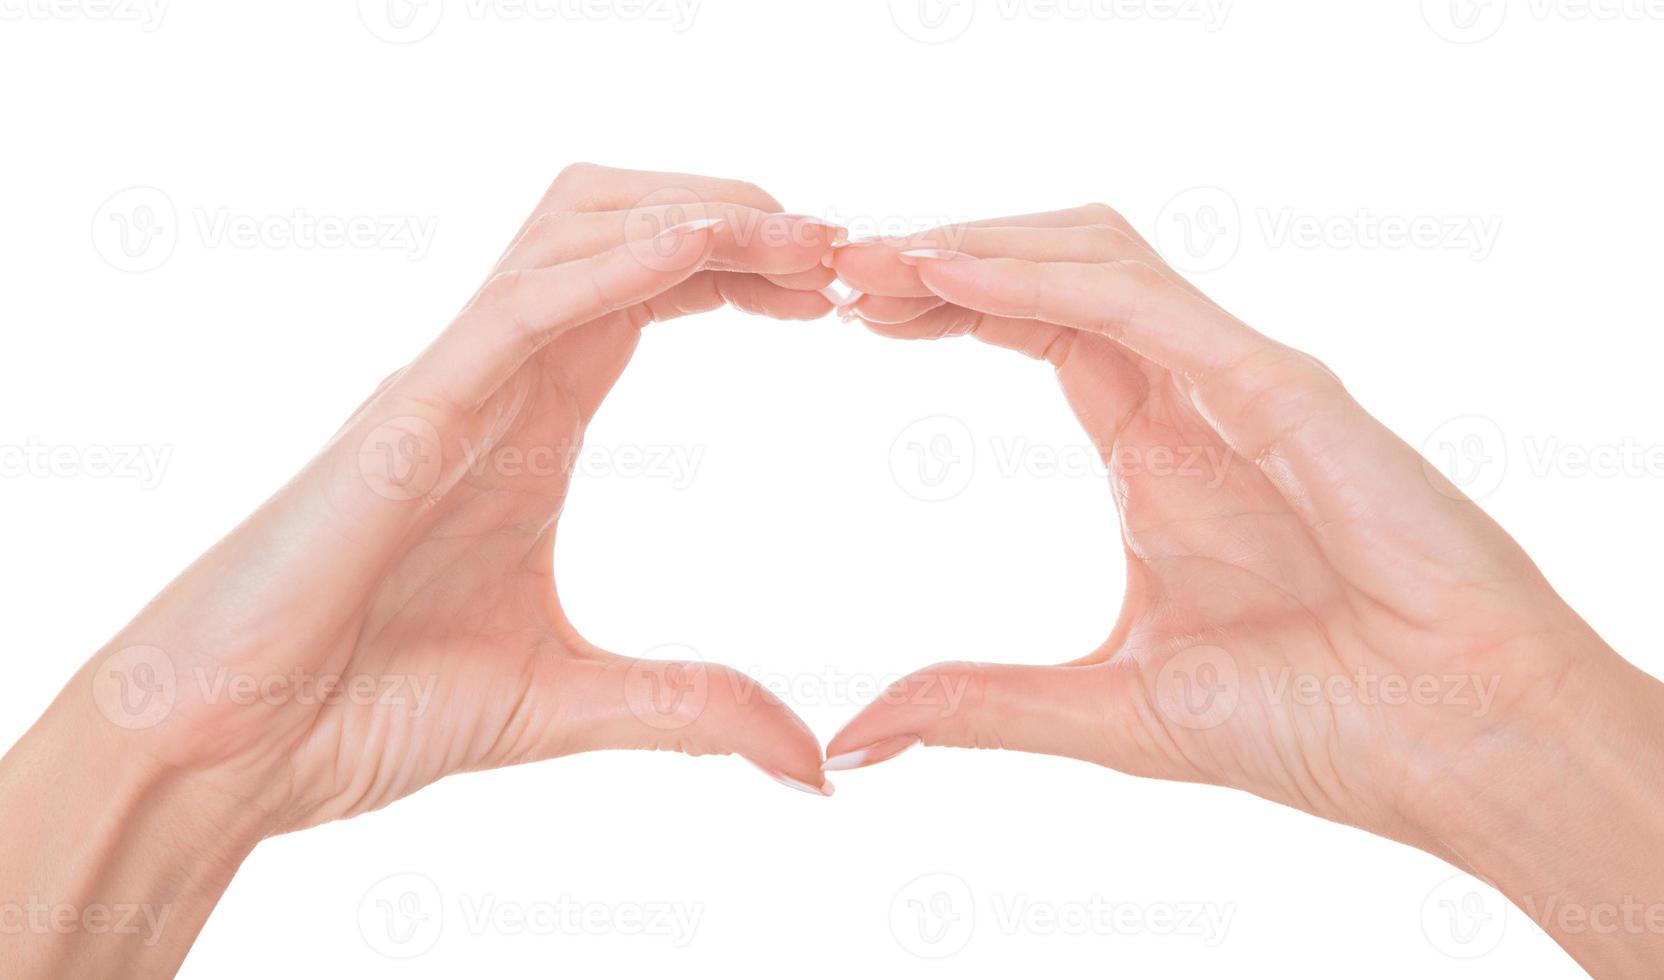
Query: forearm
[(109, 862), (1568, 821)]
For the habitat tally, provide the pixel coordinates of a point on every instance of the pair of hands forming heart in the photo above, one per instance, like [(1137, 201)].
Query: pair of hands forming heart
[(1321, 548), (1320, 619)]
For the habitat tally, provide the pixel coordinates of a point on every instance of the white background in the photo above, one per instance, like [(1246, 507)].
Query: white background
[(793, 548)]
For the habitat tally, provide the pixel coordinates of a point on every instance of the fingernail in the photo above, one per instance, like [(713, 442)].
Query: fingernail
[(834, 296), (839, 233), (689, 227), (857, 243), (871, 754), (912, 256), (824, 789)]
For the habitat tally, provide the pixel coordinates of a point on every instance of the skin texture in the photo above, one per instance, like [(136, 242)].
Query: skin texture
[(415, 550), (1313, 614), (1279, 542)]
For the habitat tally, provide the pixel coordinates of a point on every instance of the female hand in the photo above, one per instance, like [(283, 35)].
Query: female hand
[(1313, 614), (389, 617)]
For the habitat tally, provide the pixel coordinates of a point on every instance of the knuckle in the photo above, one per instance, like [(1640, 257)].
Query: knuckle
[(753, 194), (1103, 214), (542, 226), (1283, 390), (578, 173), (1143, 275), (501, 288), (544, 221), (1110, 240)]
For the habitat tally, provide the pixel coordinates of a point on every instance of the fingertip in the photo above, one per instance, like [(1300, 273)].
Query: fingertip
[(820, 786), (871, 266)]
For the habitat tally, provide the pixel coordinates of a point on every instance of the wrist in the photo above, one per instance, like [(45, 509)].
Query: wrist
[(118, 858), (1558, 808)]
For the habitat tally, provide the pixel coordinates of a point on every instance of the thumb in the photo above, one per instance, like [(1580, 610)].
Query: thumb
[(1066, 710), (611, 702)]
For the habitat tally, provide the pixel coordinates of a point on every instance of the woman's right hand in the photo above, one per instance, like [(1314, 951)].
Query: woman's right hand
[(1313, 613)]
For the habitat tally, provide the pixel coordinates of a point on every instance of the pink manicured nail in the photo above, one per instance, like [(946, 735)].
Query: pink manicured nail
[(873, 754), (688, 228), (912, 256)]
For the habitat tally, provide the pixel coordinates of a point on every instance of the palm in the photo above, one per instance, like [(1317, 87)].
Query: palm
[(468, 612), (1307, 605), (1254, 656)]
